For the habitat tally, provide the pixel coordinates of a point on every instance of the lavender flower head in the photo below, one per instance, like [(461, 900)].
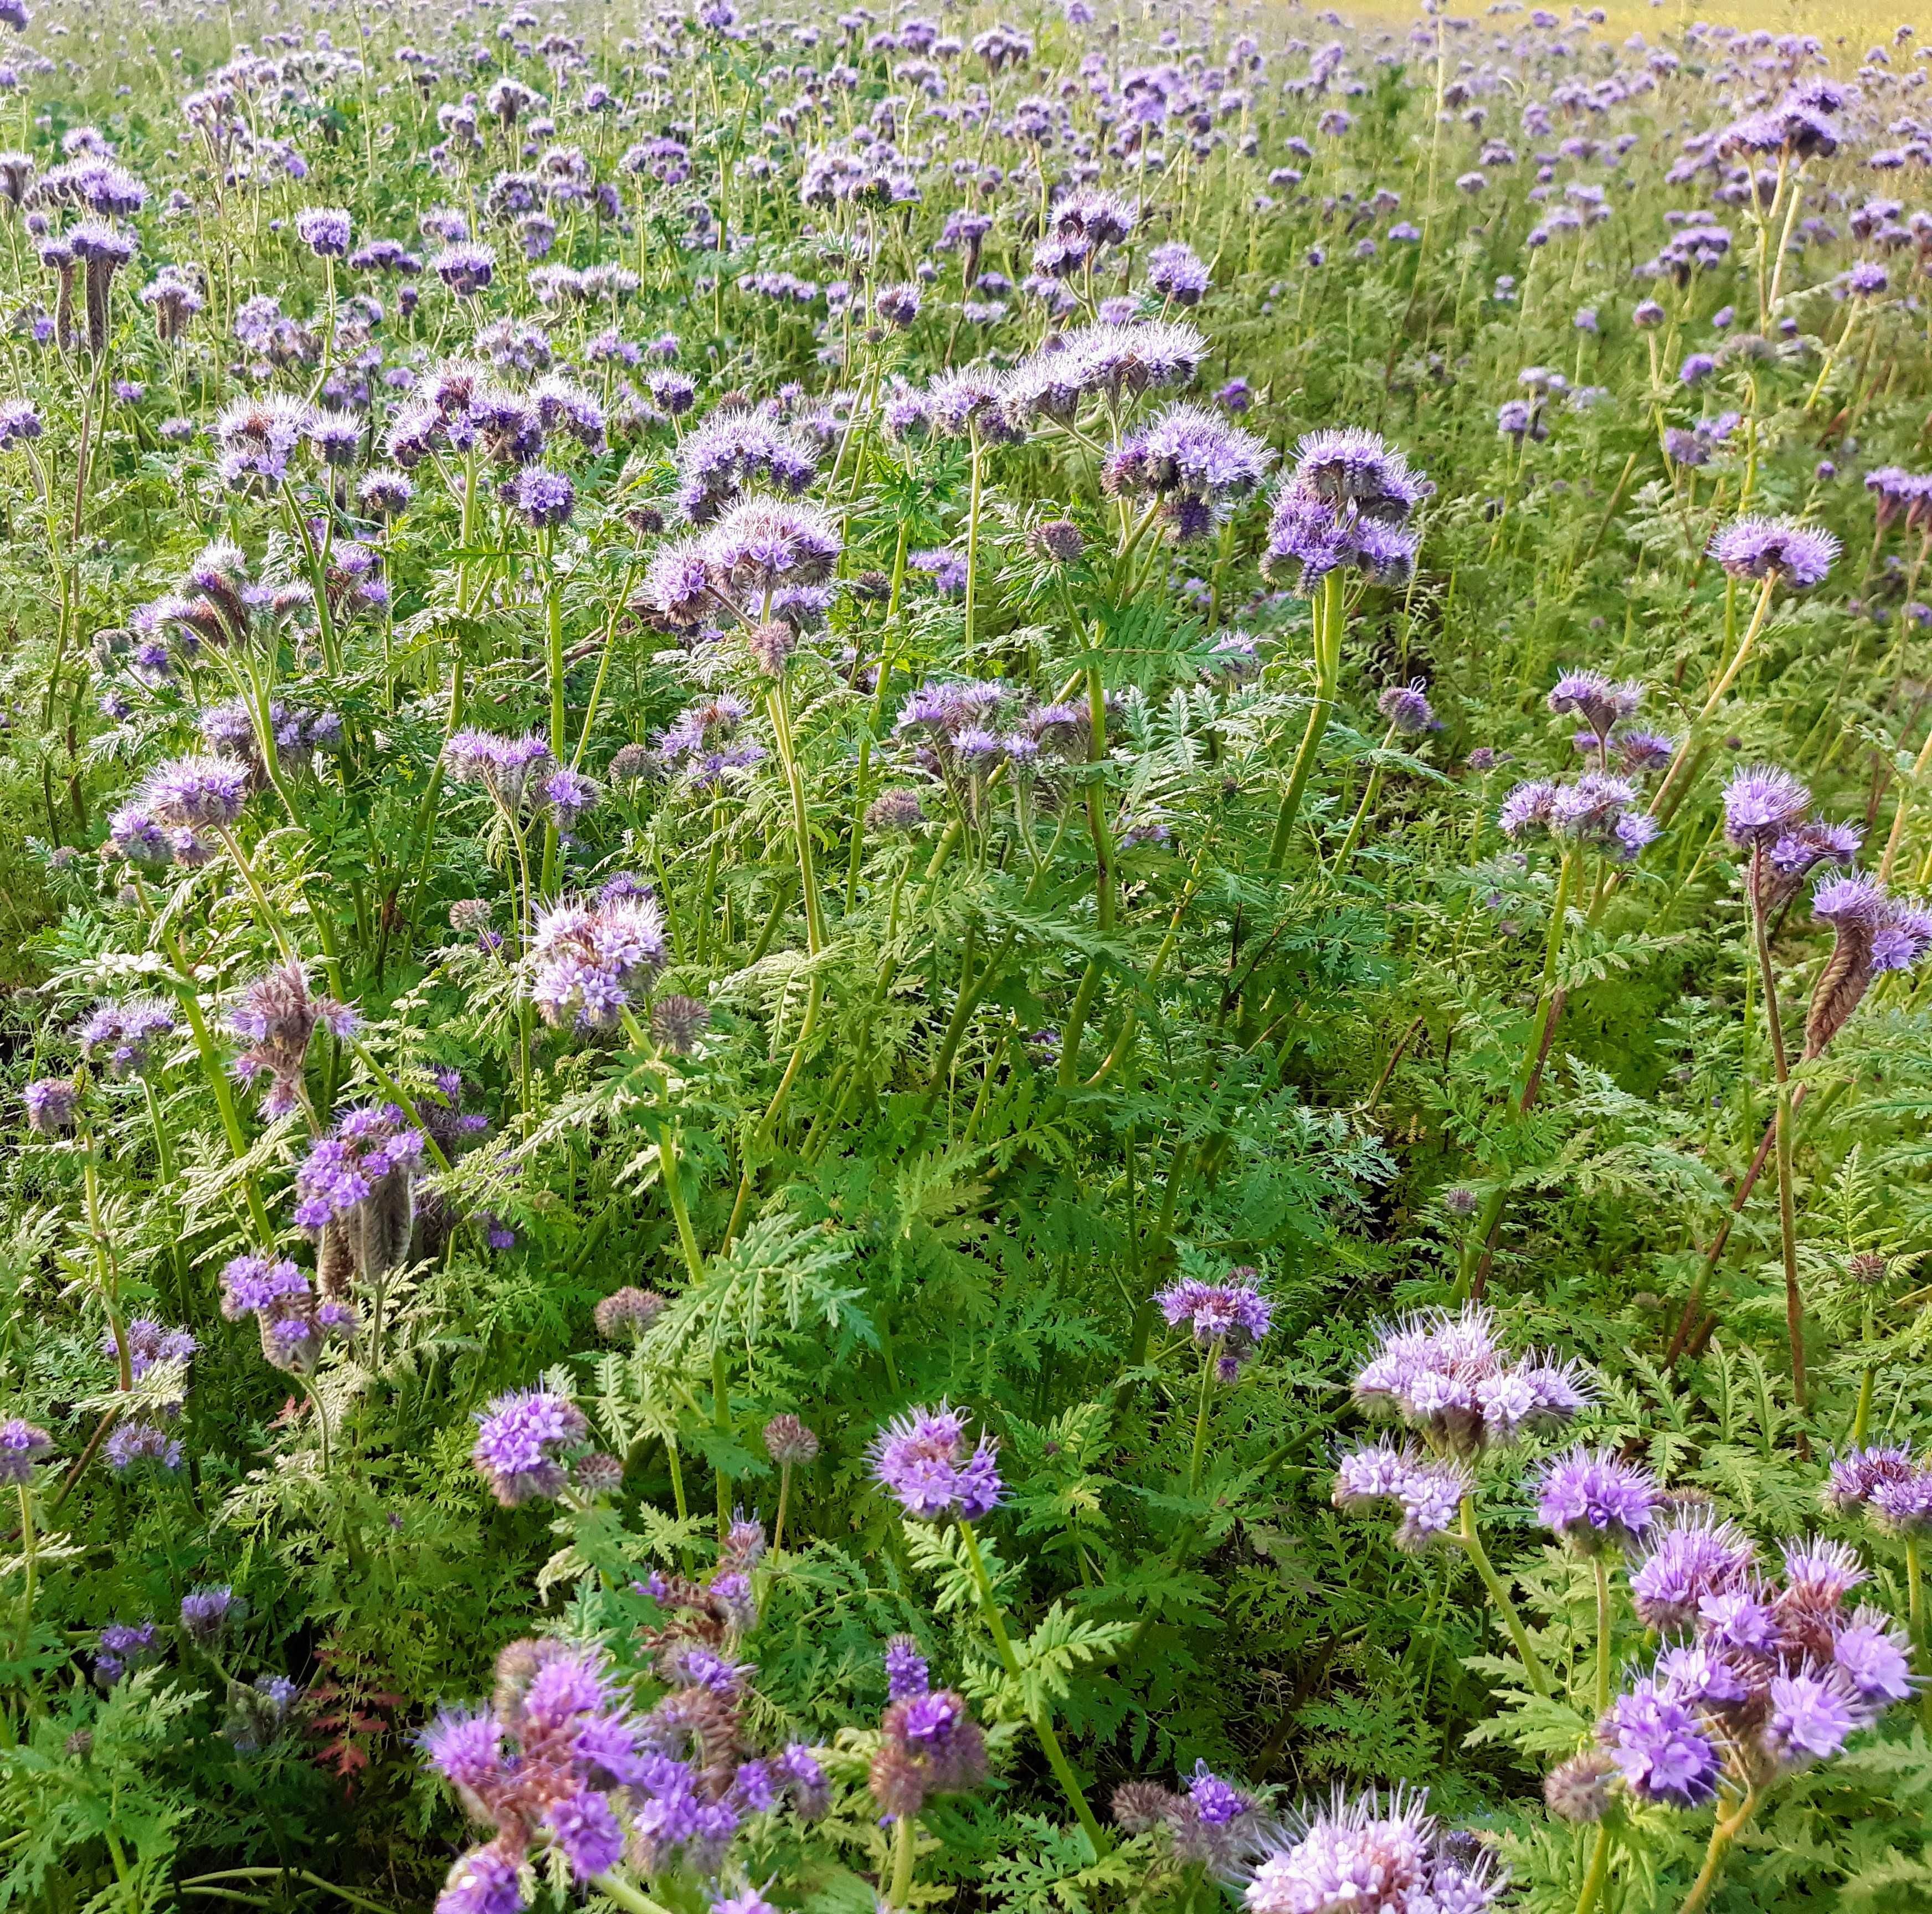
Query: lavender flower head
[(922, 1459), (1697, 1557), (586, 959), (1663, 1749), (1229, 1318), (1427, 1489), (21, 1446), (521, 1439), (1407, 709), (1762, 803), (1369, 1856), (294, 1324), (1595, 1501), (1447, 1376), (1754, 547), (277, 1016), (347, 1169)]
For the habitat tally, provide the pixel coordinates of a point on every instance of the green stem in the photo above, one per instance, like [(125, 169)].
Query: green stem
[(1200, 1455), (1602, 1569), (1726, 1831), (1598, 1872), (905, 1848), (784, 1496), (1327, 616), (1552, 955), (29, 1548), (620, 1890), (1042, 1720), (1472, 1545), (321, 1418)]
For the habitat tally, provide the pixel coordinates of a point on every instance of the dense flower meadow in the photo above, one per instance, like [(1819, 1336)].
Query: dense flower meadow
[(963, 959)]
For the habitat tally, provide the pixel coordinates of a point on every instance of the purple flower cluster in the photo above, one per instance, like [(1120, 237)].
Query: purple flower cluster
[(1757, 547), (922, 1460), (1762, 1679), (732, 451), (1596, 808), (1593, 1501), (276, 1018), (1888, 1484), (21, 1446), (1228, 1318), (347, 1169), (1428, 1489), (587, 958), (1213, 1821), (293, 1322), (522, 1439), (1371, 1856), (1448, 1377), (1873, 932), (1347, 503), (1191, 464), (737, 567), (704, 746)]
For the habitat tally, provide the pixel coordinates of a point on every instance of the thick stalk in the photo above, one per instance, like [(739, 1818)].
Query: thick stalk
[(905, 1848), (1726, 1830), (1042, 1720), (1472, 1545), (1552, 954), (1326, 616), (1198, 1460), (1603, 1568), (1787, 1219), (1598, 1871)]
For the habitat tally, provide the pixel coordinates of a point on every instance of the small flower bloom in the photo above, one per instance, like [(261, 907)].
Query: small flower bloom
[(921, 1458)]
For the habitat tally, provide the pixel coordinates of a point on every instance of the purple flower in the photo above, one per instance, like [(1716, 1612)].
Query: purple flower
[(520, 1439), (584, 1827), (1904, 1507), (1874, 1653), (52, 1104), (465, 269), (484, 1881), (1407, 709), (1367, 1856), (1812, 1716), (1429, 1491), (132, 1443), (1594, 1500), (292, 1322), (196, 793), (1855, 1478), (542, 498), (1216, 1802), (1230, 1316), (1761, 802), (205, 1612), (906, 1673), (1191, 461), (1447, 1376), (1176, 272), (325, 230), (1664, 1752), (350, 1168), (921, 1458), (1761, 547), (587, 959), (123, 1647), (21, 1446), (278, 1017), (1699, 1555)]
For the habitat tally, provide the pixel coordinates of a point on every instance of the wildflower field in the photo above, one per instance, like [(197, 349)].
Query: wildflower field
[(963, 962)]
